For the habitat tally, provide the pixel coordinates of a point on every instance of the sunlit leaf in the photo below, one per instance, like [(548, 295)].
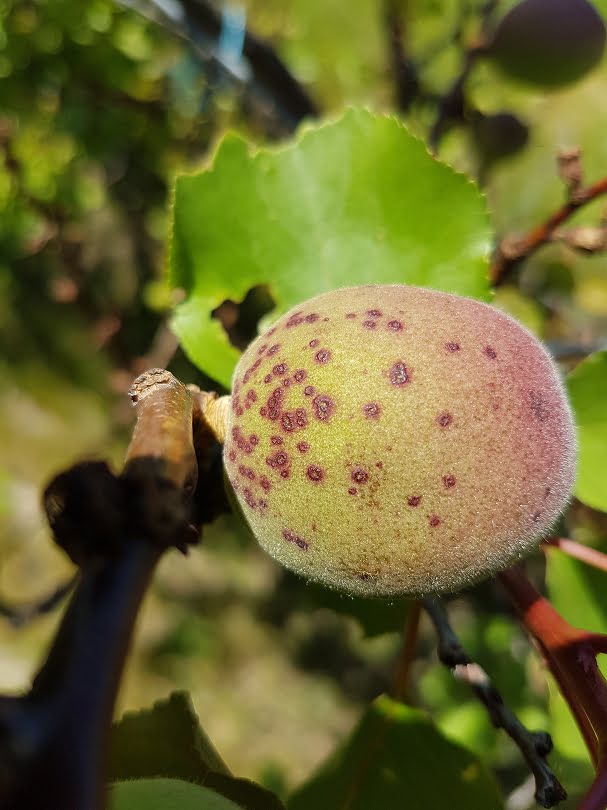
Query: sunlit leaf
[(356, 201)]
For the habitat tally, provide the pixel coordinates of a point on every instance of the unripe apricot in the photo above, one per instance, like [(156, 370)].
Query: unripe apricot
[(393, 440)]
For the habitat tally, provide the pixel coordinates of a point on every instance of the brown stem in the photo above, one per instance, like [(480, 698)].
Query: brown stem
[(402, 675), (53, 740), (510, 252)]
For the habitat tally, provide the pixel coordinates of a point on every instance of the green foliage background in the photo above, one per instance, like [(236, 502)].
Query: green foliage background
[(99, 109)]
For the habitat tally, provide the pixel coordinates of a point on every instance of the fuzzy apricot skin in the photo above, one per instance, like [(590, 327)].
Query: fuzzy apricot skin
[(393, 440)]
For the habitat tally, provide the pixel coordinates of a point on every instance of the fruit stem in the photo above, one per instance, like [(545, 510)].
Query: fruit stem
[(212, 410)]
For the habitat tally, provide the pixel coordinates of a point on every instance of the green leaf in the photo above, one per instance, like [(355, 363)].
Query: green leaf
[(166, 794), (167, 741), (587, 386), (396, 758), (355, 201)]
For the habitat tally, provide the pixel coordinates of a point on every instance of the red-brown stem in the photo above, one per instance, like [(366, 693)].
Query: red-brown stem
[(505, 260), (570, 655), (590, 556), (596, 798)]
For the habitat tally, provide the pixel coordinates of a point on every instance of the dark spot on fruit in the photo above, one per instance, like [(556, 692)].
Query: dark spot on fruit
[(399, 374), (286, 382), (370, 325), (395, 326), (449, 481), (253, 439), (300, 375), (324, 407), (232, 455), (547, 492), (303, 447), (273, 349), (301, 418), (309, 390), (313, 343), (311, 318), (372, 410), (490, 352), (315, 473), (279, 459), (414, 500), (536, 516), (276, 439), (288, 422), (444, 419), (248, 496), (252, 395), (323, 356), (239, 411), (452, 346), (268, 378), (379, 465), (262, 504), (280, 369), (374, 313), (291, 537), (352, 491), (285, 473), (265, 483), (351, 315), (246, 472), (434, 520), (360, 475), (262, 348), (263, 411), (538, 406)]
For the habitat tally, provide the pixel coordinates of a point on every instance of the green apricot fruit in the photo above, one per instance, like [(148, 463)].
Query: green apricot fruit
[(549, 42), (392, 440)]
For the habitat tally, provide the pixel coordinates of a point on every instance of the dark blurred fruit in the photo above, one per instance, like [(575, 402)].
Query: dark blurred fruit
[(549, 42), (498, 136)]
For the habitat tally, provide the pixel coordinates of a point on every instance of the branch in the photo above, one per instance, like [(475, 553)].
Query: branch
[(53, 740), (451, 107), (585, 554), (510, 251), (270, 81), (406, 78), (534, 746), (18, 616), (570, 654)]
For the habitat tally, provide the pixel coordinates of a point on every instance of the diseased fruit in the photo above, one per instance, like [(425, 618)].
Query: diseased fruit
[(549, 42), (391, 440)]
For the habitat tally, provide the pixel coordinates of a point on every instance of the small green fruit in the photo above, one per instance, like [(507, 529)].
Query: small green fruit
[(549, 42), (390, 440)]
